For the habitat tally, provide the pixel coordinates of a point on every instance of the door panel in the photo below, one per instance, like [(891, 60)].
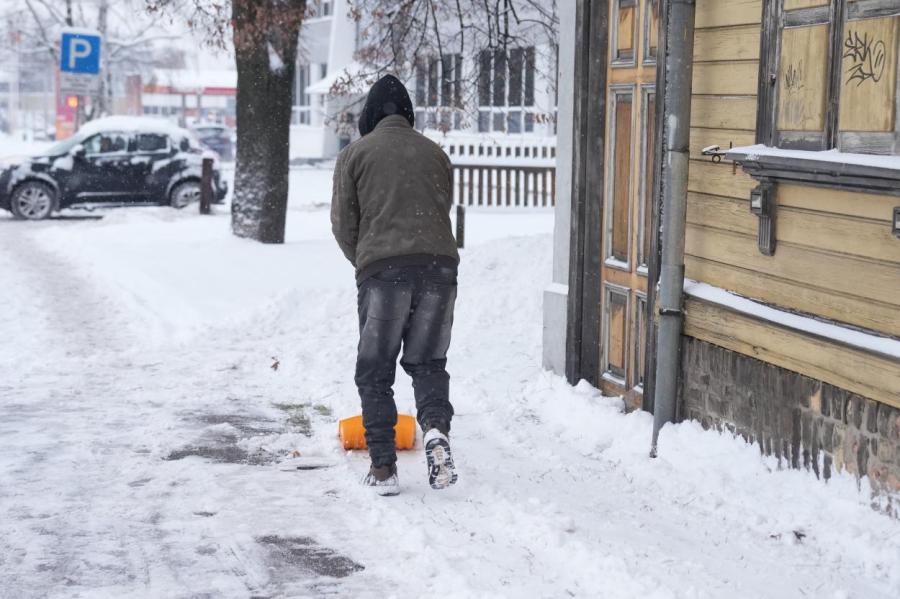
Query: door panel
[(150, 165), (627, 202), (624, 31), (104, 173), (621, 176), (639, 337), (615, 352), (648, 128)]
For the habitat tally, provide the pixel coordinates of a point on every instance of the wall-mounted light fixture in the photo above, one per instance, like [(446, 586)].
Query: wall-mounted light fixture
[(896, 228), (762, 204)]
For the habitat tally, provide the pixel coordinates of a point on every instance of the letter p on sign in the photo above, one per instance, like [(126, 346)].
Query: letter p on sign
[(80, 53)]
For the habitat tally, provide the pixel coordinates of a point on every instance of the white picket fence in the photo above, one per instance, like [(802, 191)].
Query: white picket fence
[(507, 171)]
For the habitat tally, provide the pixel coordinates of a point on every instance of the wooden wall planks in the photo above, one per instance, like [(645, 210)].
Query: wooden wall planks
[(716, 13), (836, 257), (727, 43), (726, 78), (838, 234), (862, 205), (851, 309), (832, 273), (724, 112), (718, 179), (871, 375)]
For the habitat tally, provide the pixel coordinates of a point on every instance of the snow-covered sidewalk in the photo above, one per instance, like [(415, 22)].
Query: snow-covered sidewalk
[(157, 375)]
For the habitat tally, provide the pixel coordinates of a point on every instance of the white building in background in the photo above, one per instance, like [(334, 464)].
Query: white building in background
[(515, 91)]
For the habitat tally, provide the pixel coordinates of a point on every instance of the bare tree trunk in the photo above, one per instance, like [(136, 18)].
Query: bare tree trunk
[(265, 40)]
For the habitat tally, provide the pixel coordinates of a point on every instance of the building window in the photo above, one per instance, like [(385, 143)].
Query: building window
[(506, 91), (835, 81), (306, 74), (439, 93), (321, 8)]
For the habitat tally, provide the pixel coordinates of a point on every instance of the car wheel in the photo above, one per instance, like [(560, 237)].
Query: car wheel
[(32, 201), (184, 194)]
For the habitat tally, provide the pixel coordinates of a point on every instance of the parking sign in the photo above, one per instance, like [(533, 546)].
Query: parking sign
[(79, 61)]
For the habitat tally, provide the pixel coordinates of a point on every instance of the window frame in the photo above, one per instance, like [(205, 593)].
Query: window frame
[(166, 150), (836, 14), (438, 97), (495, 111), (129, 143)]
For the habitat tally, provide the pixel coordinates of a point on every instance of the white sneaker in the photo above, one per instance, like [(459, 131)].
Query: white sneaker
[(383, 480), (441, 471)]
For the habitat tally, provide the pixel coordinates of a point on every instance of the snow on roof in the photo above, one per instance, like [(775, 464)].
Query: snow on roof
[(141, 124), (865, 341), (191, 79), (754, 153)]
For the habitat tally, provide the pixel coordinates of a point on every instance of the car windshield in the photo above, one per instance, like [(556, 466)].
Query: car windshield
[(64, 146)]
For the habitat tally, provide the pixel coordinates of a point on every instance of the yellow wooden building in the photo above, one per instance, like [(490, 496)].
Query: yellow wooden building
[(791, 303)]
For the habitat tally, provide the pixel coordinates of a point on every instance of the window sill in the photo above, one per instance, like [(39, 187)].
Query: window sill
[(855, 172)]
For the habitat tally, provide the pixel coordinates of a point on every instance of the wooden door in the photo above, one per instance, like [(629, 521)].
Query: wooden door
[(631, 102)]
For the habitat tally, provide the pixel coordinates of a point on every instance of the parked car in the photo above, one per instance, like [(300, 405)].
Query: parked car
[(113, 160), (215, 137)]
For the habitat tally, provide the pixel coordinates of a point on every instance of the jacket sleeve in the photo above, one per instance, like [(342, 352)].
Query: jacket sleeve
[(449, 166), (345, 209)]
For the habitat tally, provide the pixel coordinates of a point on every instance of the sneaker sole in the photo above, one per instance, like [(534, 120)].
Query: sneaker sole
[(441, 473)]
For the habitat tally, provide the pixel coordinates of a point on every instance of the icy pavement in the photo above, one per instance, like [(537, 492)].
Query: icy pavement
[(158, 375)]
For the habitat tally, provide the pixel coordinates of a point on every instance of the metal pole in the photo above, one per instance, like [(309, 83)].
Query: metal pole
[(460, 226), (206, 187), (677, 118), (15, 120)]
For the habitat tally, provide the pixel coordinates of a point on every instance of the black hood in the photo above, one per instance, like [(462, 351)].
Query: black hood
[(388, 96)]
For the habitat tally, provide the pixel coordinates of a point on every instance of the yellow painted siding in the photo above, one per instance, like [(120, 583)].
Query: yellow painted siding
[(718, 13), (835, 256), (868, 374), (725, 78), (785, 292), (727, 43)]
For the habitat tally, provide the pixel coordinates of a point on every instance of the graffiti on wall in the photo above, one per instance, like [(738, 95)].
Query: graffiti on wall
[(866, 56)]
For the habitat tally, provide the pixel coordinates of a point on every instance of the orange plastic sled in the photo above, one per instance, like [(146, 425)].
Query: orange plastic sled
[(353, 433)]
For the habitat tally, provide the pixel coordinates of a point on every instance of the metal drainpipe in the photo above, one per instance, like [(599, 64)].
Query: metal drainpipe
[(677, 118)]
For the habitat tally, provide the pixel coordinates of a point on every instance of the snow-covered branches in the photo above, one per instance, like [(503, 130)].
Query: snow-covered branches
[(400, 36)]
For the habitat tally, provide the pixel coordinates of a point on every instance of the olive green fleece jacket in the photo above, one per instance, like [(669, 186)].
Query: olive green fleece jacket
[(393, 191)]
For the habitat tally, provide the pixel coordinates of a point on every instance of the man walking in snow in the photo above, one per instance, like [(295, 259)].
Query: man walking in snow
[(390, 215)]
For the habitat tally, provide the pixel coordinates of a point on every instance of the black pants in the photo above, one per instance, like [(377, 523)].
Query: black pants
[(412, 306)]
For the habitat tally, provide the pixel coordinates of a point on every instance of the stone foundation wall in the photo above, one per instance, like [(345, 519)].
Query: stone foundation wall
[(804, 422)]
